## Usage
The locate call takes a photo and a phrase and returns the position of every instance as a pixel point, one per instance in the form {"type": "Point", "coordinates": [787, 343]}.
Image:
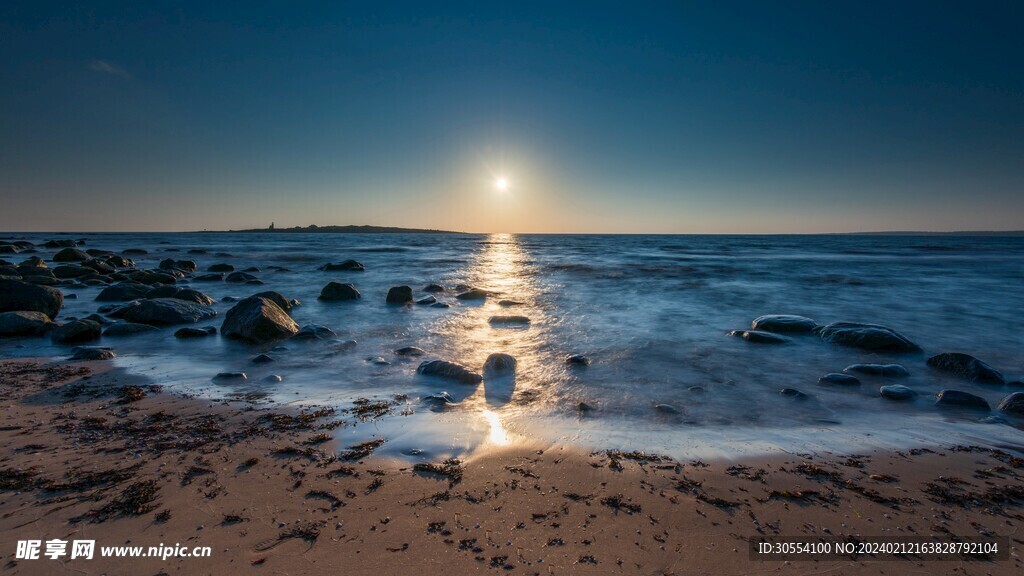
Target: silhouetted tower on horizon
{"type": "Point", "coordinates": [271, 226]}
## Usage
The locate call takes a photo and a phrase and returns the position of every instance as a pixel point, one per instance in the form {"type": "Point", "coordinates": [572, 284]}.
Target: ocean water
{"type": "Point", "coordinates": [651, 312]}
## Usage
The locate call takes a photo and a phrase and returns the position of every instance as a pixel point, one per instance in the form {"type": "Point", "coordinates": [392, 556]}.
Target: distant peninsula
{"type": "Point", "coordinates": [314, 229]}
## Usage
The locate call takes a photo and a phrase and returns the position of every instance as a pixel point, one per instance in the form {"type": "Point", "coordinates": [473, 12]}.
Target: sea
{"type": "Point", "coordinates": [652, 314]}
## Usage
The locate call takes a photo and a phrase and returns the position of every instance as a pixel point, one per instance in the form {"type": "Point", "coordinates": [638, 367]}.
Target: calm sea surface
{"type": "Point", "coordinates": [651, 312]}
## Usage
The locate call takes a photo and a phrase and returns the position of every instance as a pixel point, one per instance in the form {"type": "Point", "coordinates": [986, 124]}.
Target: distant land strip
{"type": "Point", "coordinates": [313, 228]}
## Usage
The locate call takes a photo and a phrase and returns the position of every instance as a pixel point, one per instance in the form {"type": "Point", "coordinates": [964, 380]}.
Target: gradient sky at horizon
{"type": "Point", "coordinates": [718, 117]}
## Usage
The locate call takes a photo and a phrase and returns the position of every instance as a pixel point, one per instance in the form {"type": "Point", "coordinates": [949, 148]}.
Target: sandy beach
{"type": "Point", "coordinates": [94, 453]}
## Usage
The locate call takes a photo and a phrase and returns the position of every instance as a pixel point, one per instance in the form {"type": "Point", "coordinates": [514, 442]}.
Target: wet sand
{"type": "Point", "coordinates": [90, 452]}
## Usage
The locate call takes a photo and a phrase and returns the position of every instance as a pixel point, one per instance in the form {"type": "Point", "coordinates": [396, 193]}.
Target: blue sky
{"type": "Point", "coordinates": [630, 117]}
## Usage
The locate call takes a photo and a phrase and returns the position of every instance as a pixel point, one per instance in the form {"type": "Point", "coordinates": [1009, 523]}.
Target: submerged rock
{"type": "Point", "coordinates": [966, 366]}
{"type": "Point", "coordinates": [759, 337]}
{"type": "Point", "coordinates": [24, 324]}
{"type": "Point", "coordinates": [473, 294]}
{"type": "Point", "coordinates": [439, 401]}
{"type": "Point", "coordinates": [123, 292]}
{"type": "Point", "coordinates": [18, 296]}
{"type": "Point", "coordinates": [410, 351]}
{"type": "Point", "coordinates": [1012, 404]}
{"type": "Point", "coordinates": [399, 295]}
{"type": "Point", "coordinates": [163, 312]}
{"type": "Point", "coordinates": [449, 371]}
{"type": "Point", "coordinates": [840, 379]}
{"type": "Point", "coordinates": [337, 292]}
{"type": "Point", "coordinates": [273, 378]}
{"type": "Point", "coordinates": [231, 376]}
{"type": "Point", "coordinates": [257, 320]}
{"type": "Point", "coordinates": [961, 399]}
{"type": "Point", "coordinates": [499, 363]}
{"type": "Point", "coordinates": [433, 288]}
{"type": "Point", "coordinates": [509, 303]}
{"type": "Point", "coordinates": [76, 331]}
{"type": "Point", "coordinates": [440, 305]}
{"type": "Point", "coordinates": [90, 353]}
{"type": "Point", "coordinates": [508, 320]}
{"type": "Point", "coordinates": [793, 393]}
{"type": "Point", "coordinates": [209, 278]}
{"type": "Point", "coordinates": [577, 360]}
{"type": "Point", "coordinates": [128, 329]}
{"type": "Point", "coordinates": [346, 266]}
{"type": "Point", "coordinates": [221, 268]}
{"type": "Point", "coordinates": [883, 370]}
{"type": "Point", "coordinates": [195, 332]}
{"type": "Point", "coordinates": [867, 336]}
{"type": "Point", "coordinates": [783, 323]}
{"type": "Point", "coordinates": [897, 392]}
{"type": "Point", "coordinates": [314, 332]}
{"type": "Point", "coordinates": [426, 300]}
{"type": "Point", "coordinates": [667, 409]}
{"type": "Point", "coordinates": [262, 359]}
{"type": "Point", "coordinates": [240, 278]}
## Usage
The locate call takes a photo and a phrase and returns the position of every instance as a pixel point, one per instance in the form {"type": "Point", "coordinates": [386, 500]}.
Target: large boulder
{"type": "Point", "coordinates": [336, 292]}
{"type": "Point", "coordinates": [1012, 404]}
{"type": "Point", "coordinates": [18, 296]}
{"type": "Point", "coordinates": [399, 295]}
{"type": "Point", "coordinates": [966, 366]}
{"type": "Point", "coordinates": [73, 271]}
{"type": "Point", "coordinates": [449, 371]}
{"type": "Point", "coordinates": [163, 312]}
{"type": "Point", "coordinates": [314, 332]}
{"type": "Point", "coordinates": [153, 277]}
{"type": "Point", "coordinates": [783, 323]}
{"type": "Point", "coordinates": [279, 299]}
{"type": "Point", "coordinates": [499, 363]}
{"type": "Point", "coordinates": [961, 399]}
{"type": "Point", "coordinates": [76, 331]}
{"type": "Point", "coordinates": [867, 336]}
{"type": "Point", "coordinates": [24, 324]}
{"type": "Point", "coordinates": [258, 320]}
{"type": "Point", "coordinates": [70, 255]}
{"type": "Point", "coordinates": [346, 266]}
{"type": "Point", "coordinates": [897, 392]}
{"type": "Point", "coordinates": [123, 292]}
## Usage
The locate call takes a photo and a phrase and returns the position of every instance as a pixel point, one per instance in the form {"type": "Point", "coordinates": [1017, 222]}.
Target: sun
{"type": "Point", "coordinates": [501, 184]}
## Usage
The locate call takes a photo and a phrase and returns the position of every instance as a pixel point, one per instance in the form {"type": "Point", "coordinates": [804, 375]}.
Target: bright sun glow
{"type": "Point", "coordinates": [501, 184]}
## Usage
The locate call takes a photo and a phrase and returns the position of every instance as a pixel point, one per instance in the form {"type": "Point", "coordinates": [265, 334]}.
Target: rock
{"type": "Point", "coordinates": [378, 360]}
{"type": "Point", "coordinates": [433, 288]}
{"type": "Point", "coordinates": [195, 332]}
{"type": "Point", "coordinates": [257, 320]}
{"type": "Point", "coordinates": [150, 277]}
{"type": "Point", "coordinates": [59, 244]}
{"type": "Point", "coordinates": [783, 323]}
{"type": "Point", "coordinates": [128, 329]}
{"type": "Point", "coordinates": [314, 332]}
{"type": "Point", "coordinates": [100, 266]}
{"type": "Point", "coordinates": [346, 266]}
{"type": "Point", "coordinates": [239, 278]}
{"type": "Point", "coordinates": [279, 299]}
{"type": "Point", "coordinates": [273, 378]}
{"type": "Point", "coordinates": [966, 366]}
{"type": "Point", "coordinates": [119, 261]}
{"type": "Point", "coordinates": [163, 312]}
{"type": "Point", "coordinates": [18, 296]}
{"type": "Point", "coordinates": [793, 393]}
{"type": "Point", "coordinates": [135, 252]}
{"type": "Point", "coordinates": [577, 360]}
{"type": "Point", "coordinates": [473, 294]}
{"type": "Point", "coordinates": [76, 331]}
{"type": "Point", "coordinates": [342, 345]}
{"type": "Point", "coordinates": [499, 363]}
{"type": "Point", "coordinates": [209, 278]}
{"type": "Point", "coordinates": [1012, 404]}
{"type": "Point", "coordinates": [426, 300]}
{"type": "Point", "coordinates": [8, 249]}
{"type": "Point", "coordinates": [183, 265]}
{"type": "Point", "coordinates": [92, 353]}
{"type": "Point", "coordinates": [410, 351]}
{"type": "Point", "coordinates": [666, 409]}
{"type": "Point", "coordinates": [262, 359]}
{"type": "Point", "coordinates": [508, 303]}
{"type": "Point", "coordinates": [840, 379]}
{"type": "Point", "coordinates": [70, 255]}
{"type": "Point", "coordinates": [961, 399]}
{"type": "Point", "coordinates": [584, 407]}
{"type": "Point", "coordinates": [440, 305]}
{"type": "Point", "coordinates": [449, 371]}
{"type": "Point", "coordinates": [438, 402]}
{"type": "Point", "coordinates": [897, 392]}
{"type": "Point", "coordinates": [508, 320]}
{"type": "Point", "coordinates": [883, 370]}
{"type": "Point", "coordinates": [23, 323]}
{"type": "Point", "coordinates": [221, 268]}
{"type": "Point", "coordinates": [759, 337]}
{"type": "Point", "coordinates": [230, 376]}
{"type": "Point", "coordinates": [71, 271]}
{"type": "Point", "coordinates": [337, 292]}
{"type": "Point", "coordinates": [399, 295]}
{"type": "Point", "coordinates": [867, 336]}
{"type": "Point", "coordinates": [186, 294]}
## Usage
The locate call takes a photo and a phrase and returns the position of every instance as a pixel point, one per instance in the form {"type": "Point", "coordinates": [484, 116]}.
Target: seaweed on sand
{"type": "Point", "coordinates": [361, 450]}
{"type": "Point", "coordinates": [450, 469]}
{"type": "Point", "coordinates": [137, 499]}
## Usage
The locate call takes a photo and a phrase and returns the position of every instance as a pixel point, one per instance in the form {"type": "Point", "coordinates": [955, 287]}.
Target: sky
{"type": "Point", "coordinates": [629, 117]}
